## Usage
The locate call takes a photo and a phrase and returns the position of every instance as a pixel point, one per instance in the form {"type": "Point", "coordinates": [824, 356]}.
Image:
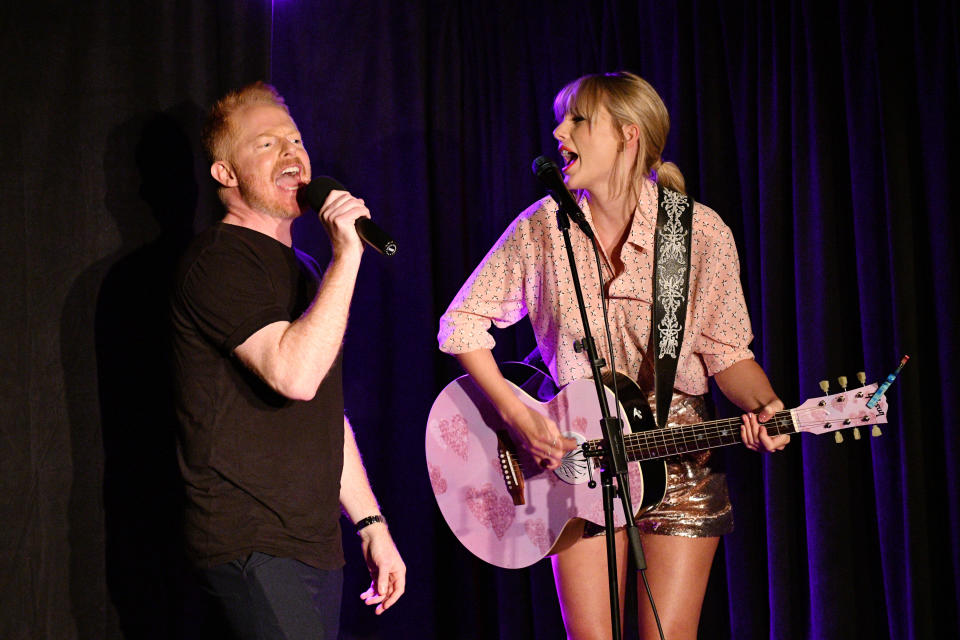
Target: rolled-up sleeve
{"type": "Point", "coordinates": [725, 332]}
{"type": "Point", "coordinates": [493, 294]}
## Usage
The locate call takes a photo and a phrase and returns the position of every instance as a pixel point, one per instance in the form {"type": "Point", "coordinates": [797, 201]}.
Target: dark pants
{"type": "Point", "coordinates": [268, 598]}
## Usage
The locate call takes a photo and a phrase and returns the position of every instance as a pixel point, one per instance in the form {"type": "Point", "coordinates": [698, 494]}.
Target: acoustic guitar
{"type": "Point", "coordinates": [511, 513]}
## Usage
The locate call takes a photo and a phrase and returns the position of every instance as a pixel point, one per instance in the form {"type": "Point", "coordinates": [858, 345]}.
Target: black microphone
{"type": "Point", "coordinates": [315, 194]}
{"type": "Point", "coordinates": [549, 174]}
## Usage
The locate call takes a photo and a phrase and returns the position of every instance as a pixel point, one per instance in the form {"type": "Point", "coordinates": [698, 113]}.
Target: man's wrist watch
{"type": "Point", "coordinates": [366, 522]}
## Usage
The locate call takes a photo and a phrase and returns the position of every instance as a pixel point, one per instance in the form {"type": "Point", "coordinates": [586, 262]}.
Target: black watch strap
{"type": "Point", "coordinates": [366, 522]}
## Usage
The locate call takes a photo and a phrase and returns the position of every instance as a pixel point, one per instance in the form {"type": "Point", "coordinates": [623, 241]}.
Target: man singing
{"type": "Point", "coordinates": [266, 453]}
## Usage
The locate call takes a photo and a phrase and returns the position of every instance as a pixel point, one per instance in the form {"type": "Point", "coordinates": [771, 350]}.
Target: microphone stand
{"type": "Point", "coordinates": [615, 462]}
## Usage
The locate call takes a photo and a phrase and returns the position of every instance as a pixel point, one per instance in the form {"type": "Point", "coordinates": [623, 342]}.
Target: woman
{"type": "Point", "coordinates": [611, 133]}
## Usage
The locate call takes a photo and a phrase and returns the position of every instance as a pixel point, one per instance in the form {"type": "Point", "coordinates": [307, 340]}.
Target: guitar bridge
{"type": "Point", "coordinates": [510, 467]}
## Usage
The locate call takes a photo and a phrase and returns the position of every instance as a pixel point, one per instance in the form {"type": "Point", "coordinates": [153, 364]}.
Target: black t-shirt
{"type": "Point", "coordinates": [262, 472]}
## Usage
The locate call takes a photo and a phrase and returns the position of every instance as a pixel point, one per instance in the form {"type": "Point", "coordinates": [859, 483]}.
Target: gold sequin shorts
{"type": "Point", "coordinates": [696, 503]}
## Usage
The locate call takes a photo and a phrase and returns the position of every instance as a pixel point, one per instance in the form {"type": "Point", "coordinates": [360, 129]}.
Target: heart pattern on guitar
{"type": "Point", "coordinates": [437, 481]}
{"type": "Point", "coordinates": [536, 530]}
{"type": "Point", "coordinates": [491, 510]}
{"type": "Point", "coordinates": [455, 434]}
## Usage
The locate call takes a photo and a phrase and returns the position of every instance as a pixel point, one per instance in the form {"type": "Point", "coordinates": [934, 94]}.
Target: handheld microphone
{"type": "Point", "coordinates": [315, 194]}
{"type": "Point", "coordinates": [549, 174]}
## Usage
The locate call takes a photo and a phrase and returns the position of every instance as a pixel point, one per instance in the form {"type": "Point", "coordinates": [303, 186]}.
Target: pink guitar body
{"type": "Point", "coordinates": [468, 478]}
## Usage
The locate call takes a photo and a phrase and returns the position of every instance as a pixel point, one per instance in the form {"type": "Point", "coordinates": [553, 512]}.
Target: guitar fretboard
{"type": "Point", "coordinates": [660, 443]}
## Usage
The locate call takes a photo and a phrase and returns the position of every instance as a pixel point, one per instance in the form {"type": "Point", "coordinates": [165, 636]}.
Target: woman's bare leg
{"type": "Point", "coordinates": [677, 569]}
{"type": "Point", "coordinates": [580, 573]}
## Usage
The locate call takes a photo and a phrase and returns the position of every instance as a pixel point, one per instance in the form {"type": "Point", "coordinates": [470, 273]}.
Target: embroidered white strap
{"type": "Point", "coordinates": [671, 272]}
{"type": "Point", "coordinates": [671, 287]}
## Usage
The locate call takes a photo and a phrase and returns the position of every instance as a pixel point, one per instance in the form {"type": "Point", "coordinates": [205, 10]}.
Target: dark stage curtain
{"type": "Point", "coordinates": [823, 133]}
{"type": "Point", "coordinates": [103, 181]}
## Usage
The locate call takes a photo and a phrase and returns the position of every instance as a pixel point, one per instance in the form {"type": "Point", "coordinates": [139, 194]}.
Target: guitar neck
{"type": "Point", "coordinates": [660, 443]}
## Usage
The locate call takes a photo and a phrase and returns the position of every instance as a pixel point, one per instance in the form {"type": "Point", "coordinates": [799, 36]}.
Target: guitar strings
{"type": "Point", "coordinates": [706, 435]}
{"type": "Point", "coordinates": [688, 438]}
{"type": "Point", "coordinates": [780, 420]}
{"type": "Point", "coordinates": [657, 443]}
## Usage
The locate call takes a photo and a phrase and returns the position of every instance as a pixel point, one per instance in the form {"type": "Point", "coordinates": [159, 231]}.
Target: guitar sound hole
{"type": "Point", "coordinates": [574, 467]}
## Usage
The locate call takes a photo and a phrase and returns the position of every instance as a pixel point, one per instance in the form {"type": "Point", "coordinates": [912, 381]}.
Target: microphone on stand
{"type": "Point", "coordinates": [549, 174]}
{"type": "Point", "coordinates": [315, 194]}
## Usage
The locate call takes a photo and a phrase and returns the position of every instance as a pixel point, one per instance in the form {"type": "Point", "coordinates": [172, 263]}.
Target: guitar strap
{"type": "Point", "coordinates": [671, 286]}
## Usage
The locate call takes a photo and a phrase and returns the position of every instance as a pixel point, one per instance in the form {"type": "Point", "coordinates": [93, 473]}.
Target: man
{"type": "Point", "coordinates": [266, 452]}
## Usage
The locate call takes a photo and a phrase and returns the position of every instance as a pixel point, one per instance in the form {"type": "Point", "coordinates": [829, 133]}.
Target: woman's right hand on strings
{"type": "Point", "coordinates": [538, 434]}
{"type": "Point", "coordinates": [532, 430]}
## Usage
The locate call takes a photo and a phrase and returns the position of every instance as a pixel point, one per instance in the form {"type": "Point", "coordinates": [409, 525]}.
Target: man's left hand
{"type": "Point", "coordinates": [387, 570]}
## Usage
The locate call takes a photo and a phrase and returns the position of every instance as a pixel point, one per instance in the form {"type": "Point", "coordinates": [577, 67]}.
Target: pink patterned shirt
{"type": "Point", "coordinates": [526, 272]}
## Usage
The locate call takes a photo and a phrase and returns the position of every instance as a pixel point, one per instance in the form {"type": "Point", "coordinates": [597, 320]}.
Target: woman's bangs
{"type": "Point", "coordinates": [581, 98]}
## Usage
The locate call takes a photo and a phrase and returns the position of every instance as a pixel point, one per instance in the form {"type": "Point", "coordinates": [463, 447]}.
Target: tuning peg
{"type": "Point", "coordinates": [837, 437]}
{"type": "Point", "coordinates": [842, 381]}
{"type": "Point", "coordinates": [875, 431]}
{"type": "Point", "coordinates": [862, 379]}
{"type": "Point", "coordinates": [825, 386]}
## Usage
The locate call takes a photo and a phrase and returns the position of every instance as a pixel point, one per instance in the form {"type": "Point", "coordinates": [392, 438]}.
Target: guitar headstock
{"type": "Point", "coordinates": [844, 410]}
